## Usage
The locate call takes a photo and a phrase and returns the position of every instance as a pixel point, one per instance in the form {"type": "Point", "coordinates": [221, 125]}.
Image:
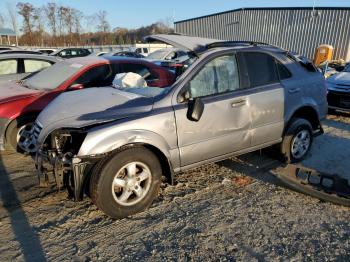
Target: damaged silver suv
{"type": "Point", "coordinates": [116, 144]}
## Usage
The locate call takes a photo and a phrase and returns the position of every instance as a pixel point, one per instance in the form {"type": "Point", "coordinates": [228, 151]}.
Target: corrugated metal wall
{"type": "Point", "coordinates": [300, 30]}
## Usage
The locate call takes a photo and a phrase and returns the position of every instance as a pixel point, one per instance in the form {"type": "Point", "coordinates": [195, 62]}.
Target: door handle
{"type": "Point", "coordinates": [293, 90]}
{"type": "Point", "coordinates": [238, 103]}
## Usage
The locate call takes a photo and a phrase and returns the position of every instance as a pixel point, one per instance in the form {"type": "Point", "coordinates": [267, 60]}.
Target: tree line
{"type": "Point", "coordinates": [58, 25]}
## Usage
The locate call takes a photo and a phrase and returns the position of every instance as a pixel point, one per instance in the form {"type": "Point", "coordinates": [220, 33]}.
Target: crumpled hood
{"type": "Point", "coordinates": [11, 91]}
{"type": "Point", "coordinates": [342, 78]}
{"type": "Point", "coordinates": [91, 106]}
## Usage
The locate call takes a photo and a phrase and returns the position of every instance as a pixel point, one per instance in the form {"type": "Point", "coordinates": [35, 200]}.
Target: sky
{"type": "Point", "coordinates": [136, 13]}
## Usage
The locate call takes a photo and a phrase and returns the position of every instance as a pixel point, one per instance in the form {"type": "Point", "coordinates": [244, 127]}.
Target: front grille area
{"type": "Point", "coordinates": [339, 99]}
{"type": "Point", "coordinates": [344, 86]}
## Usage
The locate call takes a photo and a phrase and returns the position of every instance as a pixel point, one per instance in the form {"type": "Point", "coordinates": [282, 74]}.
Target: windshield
{"type": "Point", "coordinates": [52, 77]}
{"type": "Point", "coordinates": [159, 54]}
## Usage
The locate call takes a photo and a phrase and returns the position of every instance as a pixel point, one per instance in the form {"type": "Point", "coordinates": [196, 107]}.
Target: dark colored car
{"type": "Point", "coordinates": [71, 52]}
{"type": "Point", "coordinates": [338, 87]}
{"type": "Point", "coordinates": [20, 103]}
{"type": "Point", "coordinates": [129, 54]}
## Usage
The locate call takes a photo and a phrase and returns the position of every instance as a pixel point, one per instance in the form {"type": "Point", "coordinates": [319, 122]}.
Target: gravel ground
{"type": "Point", "coordinates": [231, 210]}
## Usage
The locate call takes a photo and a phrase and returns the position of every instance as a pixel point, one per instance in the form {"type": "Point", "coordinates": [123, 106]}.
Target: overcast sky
{"type": "Point", "coordinates": [135, 13]}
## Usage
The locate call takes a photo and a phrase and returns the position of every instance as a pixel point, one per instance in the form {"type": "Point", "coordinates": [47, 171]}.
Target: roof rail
{"type": "Point", "coordinates": [239, 43]}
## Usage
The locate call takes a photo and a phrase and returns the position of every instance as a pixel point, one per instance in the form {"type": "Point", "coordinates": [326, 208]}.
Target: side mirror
{"type": "Point", "coordinates": [195, 109]}
{"type": "Point", "coordinates": [75, 87]}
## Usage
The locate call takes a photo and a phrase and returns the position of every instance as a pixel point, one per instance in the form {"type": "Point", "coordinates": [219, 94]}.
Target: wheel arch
{"type": "Point", "coordinates": [108, 145]}
{"type": "Point", "coordinates": [307, 112]}
{"type": "Point", "coordinates": [164, 161]}
{"type": "Point", "coordinates": [27, 115]}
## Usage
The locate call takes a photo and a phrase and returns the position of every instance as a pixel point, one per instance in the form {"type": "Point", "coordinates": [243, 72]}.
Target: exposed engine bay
{"type": "Point", "coordinates": [56, 158]}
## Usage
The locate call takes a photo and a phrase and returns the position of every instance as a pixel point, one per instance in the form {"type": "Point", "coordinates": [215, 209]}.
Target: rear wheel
{"type": "Point", "coordinates": [126, 183]}
{"type": "Point", "coordinates": [19, 135]}
{"type": "Point", "coordinates": [297, 140]}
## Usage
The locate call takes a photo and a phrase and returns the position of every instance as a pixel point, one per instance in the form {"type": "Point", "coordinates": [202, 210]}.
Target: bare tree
{"type": "Point", "coordinates": [70, 26]}
{"type": "Point", "coordinates": [51, 15]}
{"type": "Point", "coordinates": [60, 17]}
{"type": "Point", "coordinates": [26, 10]}
{"type": "Point", "coordinates": [39, 24]}
{"type": "Point", "coordinates": [90, 22]}
{"type": "Point", "coordinates": [103, 25]}
{"type": "Point", "coordinates": [77, 18]}
{"type": "Point", "coordinates": [13, 19]}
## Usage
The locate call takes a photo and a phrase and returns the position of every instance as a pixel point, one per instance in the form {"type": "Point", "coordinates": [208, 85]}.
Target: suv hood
{"type": "Point", "coordinates": [190, 43]}
{"type": "Point", "coordinates": [342, 78]}
{"type": "Point", "coordinates": [11, 91]}
{"type": "Point", "coordinates": [91, 106]}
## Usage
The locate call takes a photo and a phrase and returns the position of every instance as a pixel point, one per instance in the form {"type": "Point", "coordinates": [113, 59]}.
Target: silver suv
{"type": "Point", "coordinates": [235, 97]}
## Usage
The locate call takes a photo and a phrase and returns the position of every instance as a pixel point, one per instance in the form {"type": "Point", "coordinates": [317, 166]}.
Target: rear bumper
{"type": "Point", "coordinates": [4, 122]}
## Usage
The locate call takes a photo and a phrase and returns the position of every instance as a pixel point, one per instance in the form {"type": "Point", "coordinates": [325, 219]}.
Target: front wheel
{"type": "Point", "coordinates": [297, 140]}
{"type": "Point", "coordinates": [126, 183]}
{"type": "Point", "coordinates": [19, 135]}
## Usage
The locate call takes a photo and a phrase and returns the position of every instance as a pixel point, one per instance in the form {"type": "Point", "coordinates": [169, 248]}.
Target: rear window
{"type": "Point", "coordinates": [261, 69]}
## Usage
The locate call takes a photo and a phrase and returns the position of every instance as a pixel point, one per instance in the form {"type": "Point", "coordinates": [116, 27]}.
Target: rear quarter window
{"type": "Point", "coordinates": [261, 68]}
{"type": "Point", "coordinates": [283, 72]}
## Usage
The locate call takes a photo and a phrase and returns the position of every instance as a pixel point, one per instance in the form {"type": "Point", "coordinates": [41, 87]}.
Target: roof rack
{"type": "Point", "coordinates": [240, 43]}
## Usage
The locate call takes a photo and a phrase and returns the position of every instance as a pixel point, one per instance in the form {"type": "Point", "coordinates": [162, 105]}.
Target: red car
{"type": "Point", "coordinates": [20, 103]}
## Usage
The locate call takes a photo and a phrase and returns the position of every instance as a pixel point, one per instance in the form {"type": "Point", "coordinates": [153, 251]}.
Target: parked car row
{"type": "Point", "coordinates": [115, 141]}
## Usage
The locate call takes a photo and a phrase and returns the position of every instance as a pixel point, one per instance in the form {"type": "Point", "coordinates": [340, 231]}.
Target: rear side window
{"type": "Point", "coordinates": [35, 65]}
{"type": "Point", "coordinates": [283, 72]}
{"type": "Point", "coordinates": [64, 53]}
{"type": "Point", "coordinates": [8, 67]}
{"type": "Point", "coordinates": [261, 69]}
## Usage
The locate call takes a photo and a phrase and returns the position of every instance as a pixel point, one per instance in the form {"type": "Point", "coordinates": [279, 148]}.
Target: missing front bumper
{"type": "Point", "coordinates": [331, 188]}
{"type": "Point", "coordinates": [74, 177]}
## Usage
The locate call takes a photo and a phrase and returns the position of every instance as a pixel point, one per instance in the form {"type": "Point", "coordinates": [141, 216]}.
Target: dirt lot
{"type": "Point", "coordinates": [231, 210]}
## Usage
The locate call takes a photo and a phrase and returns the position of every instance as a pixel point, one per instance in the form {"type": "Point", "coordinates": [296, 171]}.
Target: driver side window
{"type": "Point", "coordinates": [96, 77]}
{"type": "Point", "coordinates": [218, 76]}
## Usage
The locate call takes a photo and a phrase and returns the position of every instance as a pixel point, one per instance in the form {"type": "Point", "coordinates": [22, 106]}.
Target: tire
{"type": "Point", "coordinates": [296, 130]}
{"type": "Point", "coordinates": [113, 198]}
{"type": "Point", "coordinates": [12, 133]}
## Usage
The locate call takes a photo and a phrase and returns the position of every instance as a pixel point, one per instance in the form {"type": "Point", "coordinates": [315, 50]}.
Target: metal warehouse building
{"type": "Point", "coordinates": [296, 29]}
